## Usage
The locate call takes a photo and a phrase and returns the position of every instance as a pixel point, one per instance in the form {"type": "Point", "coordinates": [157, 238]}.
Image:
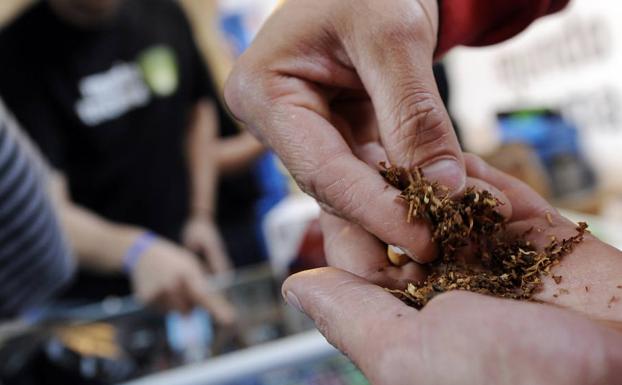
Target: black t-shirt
{"type": "Point", "coordinates": [110, 106]}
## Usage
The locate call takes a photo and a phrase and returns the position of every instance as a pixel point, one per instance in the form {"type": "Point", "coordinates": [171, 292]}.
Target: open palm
{"type": "Point", "coordinates": [466, 338]}
{"type": "Point", "coordinates": [591, 275]}
{"type": "Point", "coordinates": [458, 338]}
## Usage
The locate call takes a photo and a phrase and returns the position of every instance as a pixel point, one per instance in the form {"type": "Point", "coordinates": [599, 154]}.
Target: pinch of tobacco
{"type": "Point", "coordinates": [508, 266]}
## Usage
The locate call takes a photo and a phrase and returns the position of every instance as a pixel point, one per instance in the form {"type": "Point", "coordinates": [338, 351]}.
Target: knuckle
{"type": "Point", "coordinates": [233, 93]}
{"type": "Point", "coordinates": [342, 194]}
{"type": "Point", "coordinates": [394, 28]}
{"type": "Point", "coordinates": [397, 35]}
{"type": "Point", "coordinates": [403, 21]}
{"type": "Point", "coordinates": [420, 124]}
{"type": "Point", "coordinates": [252, 89]}
{"type": "Point", "coordinates": [239, 90]}
{"type": "Point", "coordinates": [314, 176]}
{"type": "Point", "coordinates": [416, 110]}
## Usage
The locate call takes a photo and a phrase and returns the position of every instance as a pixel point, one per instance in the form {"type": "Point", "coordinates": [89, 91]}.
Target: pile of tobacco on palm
{"type": "Point", "coordinates": [500, 264]}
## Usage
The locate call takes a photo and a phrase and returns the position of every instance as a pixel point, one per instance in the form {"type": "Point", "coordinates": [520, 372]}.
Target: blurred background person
{"type": "Point", "coordinates": [124, 110]}
{"type": "Point", "coordinates": [252, 181]}
{"type": "Point", "coordinates": [35, 261]}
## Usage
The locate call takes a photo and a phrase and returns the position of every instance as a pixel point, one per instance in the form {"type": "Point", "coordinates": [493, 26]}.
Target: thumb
{"type": "Point", "coordinates": [396, 69]}
{"type": "Point", "coordinates": [355, 316]}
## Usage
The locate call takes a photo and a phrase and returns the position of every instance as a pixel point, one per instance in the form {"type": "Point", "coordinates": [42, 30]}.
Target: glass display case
{"type": "Point", "coordinates": [118, 341]}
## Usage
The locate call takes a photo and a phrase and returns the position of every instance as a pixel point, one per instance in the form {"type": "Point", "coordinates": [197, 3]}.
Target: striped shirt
{"type": "Point", "coordinates": [34, 257]}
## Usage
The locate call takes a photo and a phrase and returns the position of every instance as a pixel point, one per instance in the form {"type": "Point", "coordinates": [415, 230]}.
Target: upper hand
{"type": "Point", "coordinates": [169, 277]}
{"type": "Point", "coordinates": [201, 236]}
{"type": "Point", "coordinates": [336, 86]}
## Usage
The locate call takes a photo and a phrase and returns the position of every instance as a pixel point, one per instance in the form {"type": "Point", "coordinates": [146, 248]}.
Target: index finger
{"type": "Point", "coordinates": [324, 166]}
{"type": "Point", "coordinates": [393, 57]}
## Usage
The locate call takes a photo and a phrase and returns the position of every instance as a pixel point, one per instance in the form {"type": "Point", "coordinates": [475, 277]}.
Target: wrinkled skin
{"type": "Point", "coordinates": [466, 338]}
{"type": "Point", "coordinates": [458, 338]}
{"type": "Point", "coordinates": [334, 87]}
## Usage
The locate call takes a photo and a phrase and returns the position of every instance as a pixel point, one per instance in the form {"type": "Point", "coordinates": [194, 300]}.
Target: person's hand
{"type": "Point", "coordinates": [201, 236]}
{"type": "Point", "coordinates": [458, 338]}
{"type": "Point", "coordinates": [466, 338]}
{"type": "Point", "coordinates": [336, 86]}
{"type": "Point", "coordinates": [591, 276]}
{"type": "Point", "coordinates": [170, 278]}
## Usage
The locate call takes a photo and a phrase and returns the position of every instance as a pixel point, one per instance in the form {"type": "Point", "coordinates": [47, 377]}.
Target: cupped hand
{"type": "Point", "coordinates": [458, 338]}
{"type": "Point", "coordinates": [591, 275]}
{"type": "Point", "coordinates": [336, 86]}
{"type": "Point", "coordinates": [170, 278]}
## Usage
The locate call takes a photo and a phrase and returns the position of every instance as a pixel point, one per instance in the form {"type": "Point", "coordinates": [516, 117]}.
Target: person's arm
{"type": "Point", "coordinates": [200, 233]}
{"type": "Point", "coordinates": [163, 274]}
{"type": "Point", "coordinates": [335, 87]}
{"type": "Point", "coordinates": [202, 150]}
{"type": "Point", "coordinates": [99, 245]}
{"type": "Point", "coordinates": [484, 22]}
{"type": "Point", "coordinates": [237, 152]}
{"type": "Point", "coordinates": [35, 260]}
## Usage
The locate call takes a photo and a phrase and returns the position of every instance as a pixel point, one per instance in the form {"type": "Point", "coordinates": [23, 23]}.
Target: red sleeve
{"type": "Point", "coordinates": [483, 22]}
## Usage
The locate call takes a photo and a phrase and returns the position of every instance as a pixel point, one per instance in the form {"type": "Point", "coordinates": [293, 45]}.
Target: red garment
{"type": "Point", "coordinates": [483, 22]}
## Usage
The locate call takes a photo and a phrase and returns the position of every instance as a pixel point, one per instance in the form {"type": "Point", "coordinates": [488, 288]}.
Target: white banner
{"type": "Point", "coordinates": [571, 61]}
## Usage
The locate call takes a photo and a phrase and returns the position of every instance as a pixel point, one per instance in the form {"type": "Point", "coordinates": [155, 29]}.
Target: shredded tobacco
{"type": "Point", "coordinates": [504, 265]}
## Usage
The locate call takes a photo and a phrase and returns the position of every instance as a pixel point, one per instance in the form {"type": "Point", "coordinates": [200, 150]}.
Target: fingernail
{"type": "Point", "coordinates": [292, 300]}
{"type": "Point", "coordinates": [398, 256]}
{"type": "Point", "coordinates": [412, 255]}
{"type": "Point", "coordinates": [402, 250]}
{"type": "Point", "coordinates": [447, 172]}
{"type": "Point", "coordinates": [397, 249]}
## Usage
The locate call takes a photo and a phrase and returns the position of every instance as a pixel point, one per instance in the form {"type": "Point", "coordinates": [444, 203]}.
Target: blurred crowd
{"type": "Point", "coordinates": [124, 175]}
{"type": "Point", "coordinates": [121, 171]}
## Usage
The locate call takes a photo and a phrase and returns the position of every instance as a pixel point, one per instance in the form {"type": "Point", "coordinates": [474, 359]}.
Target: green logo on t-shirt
{"type": "Point", "coordinates": [159, 67]}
